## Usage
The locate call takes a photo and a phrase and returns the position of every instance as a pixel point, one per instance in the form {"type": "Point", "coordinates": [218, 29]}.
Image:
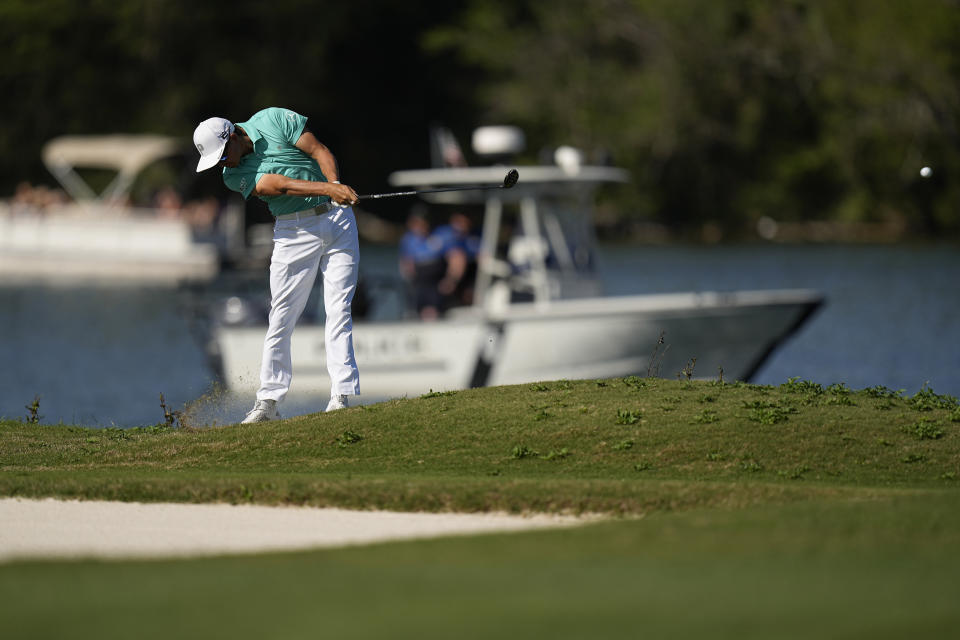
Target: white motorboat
{"type": "Point", "coordinates": [538, 313]}
{"type": "Point", "coordinates": [98, 237]}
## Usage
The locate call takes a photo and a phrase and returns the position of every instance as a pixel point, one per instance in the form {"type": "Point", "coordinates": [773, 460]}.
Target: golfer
{"type": "Point", "coordinates": [275, 157]}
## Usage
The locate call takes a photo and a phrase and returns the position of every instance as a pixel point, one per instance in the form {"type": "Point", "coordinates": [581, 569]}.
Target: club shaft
{"type": "Point", "coordinates": [395, 194]}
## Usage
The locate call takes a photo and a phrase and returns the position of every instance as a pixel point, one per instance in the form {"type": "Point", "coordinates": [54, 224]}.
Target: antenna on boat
{"type": "Point", "coordinates": [508, 181]}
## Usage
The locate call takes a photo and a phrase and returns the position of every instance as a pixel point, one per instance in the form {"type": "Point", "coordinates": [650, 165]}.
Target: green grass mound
{"type": "Point", "coordinates": [630, 445]}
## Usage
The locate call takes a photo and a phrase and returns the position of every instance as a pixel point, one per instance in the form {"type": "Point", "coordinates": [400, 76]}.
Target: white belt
{"type": "Point", "coordinates": [318, 210]}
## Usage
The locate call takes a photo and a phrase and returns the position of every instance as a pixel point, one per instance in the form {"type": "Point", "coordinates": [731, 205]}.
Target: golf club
{"type": "Point", "coordinates": [508, 181]}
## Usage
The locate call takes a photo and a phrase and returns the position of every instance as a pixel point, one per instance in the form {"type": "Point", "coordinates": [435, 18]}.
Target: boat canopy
{"type": "Point", "coordinates": [128, 155]}
{"type": "Point", "coordinates": [535, 181]}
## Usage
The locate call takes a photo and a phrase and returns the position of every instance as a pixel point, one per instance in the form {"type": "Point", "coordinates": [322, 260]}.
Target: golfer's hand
{"type": "Point", "coordinates": [342, 194]}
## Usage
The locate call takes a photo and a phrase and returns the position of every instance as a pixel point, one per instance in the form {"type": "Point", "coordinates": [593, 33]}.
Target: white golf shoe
{"type": "Point", "coordinates": [263, 410]}
{"type": "Point", "coordinates": [337, 402]}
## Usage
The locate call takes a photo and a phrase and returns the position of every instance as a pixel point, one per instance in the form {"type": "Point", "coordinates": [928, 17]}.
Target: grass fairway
{"type": "Point", "coordinates": [739, 511]}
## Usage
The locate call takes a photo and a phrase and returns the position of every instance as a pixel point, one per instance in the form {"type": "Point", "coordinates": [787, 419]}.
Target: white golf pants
{"type": "Point", "coordinates": [327, 242]}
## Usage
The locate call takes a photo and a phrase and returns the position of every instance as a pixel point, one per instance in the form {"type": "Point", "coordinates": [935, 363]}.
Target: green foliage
{"type": "Point", "coordinates": [136, 66]}
{"type": "Point", "coordinates": [437, 394]}
{"type": "Point", "coordinates": [766, 412]}
{"type": "Point", "coordinates": [925, 429]}
{"type": "Point", "coordinates": [794, 474]}
{"type": "Point", "coordinates": [628, 416]}
{"type": "Point", "coordinates": [839, 389]}
{"type": "Point", "coordinates": [347, 438]}
{"type": "Point", "coordinates": [115, 433]}
{"type": "Point", "coordinates": [728, 111]}
{"type": "Point", "coordinates": [723, 111]}
{"type": "Point", "coordinates": [839, 394]}
{"type": "Point", "coordinates": [635, 382]}
{"type": "Point", "coordinates": [881, 391]}
{"type": "Point", "coordinates": [706, 416]}
{"type": "Point", "coordinates": [522, 451]}
{"type": "Point", "coordinates": [927, 400]}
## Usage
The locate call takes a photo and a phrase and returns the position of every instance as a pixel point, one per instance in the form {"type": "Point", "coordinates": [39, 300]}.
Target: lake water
{"type": "Point", "coordinates": [102, 356]}
{"type": "Point", "coordinates": [892, 313]}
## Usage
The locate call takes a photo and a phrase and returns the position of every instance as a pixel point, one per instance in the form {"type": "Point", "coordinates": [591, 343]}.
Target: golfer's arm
{"type": "Point", "coordinates": [274, 184]}
{"type": "Point", "coordinates": [309, 144]}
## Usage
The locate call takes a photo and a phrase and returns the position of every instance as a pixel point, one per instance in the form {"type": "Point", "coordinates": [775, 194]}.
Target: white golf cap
{"type": "Point", "coordinates": [210, 137]}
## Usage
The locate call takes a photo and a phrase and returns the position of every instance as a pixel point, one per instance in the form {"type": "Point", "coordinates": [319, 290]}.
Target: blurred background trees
{"type": "Point", "coordinates": [725, 112]}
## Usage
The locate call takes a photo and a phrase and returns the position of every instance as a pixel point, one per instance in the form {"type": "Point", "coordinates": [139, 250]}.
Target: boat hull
{"type": "Point", "coordinates": [86, 245]}
{"type": "Point", "coordinates": [569, 339]}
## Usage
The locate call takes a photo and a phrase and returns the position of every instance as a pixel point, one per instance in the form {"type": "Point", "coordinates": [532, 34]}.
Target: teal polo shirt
{"type": "Point", "coordinates": [274, 133]}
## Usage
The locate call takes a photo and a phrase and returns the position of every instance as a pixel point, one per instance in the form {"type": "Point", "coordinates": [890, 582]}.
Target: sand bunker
{"type": "Point", "coordinates": [52, 528]}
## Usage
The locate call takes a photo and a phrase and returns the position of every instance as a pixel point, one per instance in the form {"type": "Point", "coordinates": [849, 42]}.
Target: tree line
{"type": "Point", "coordinates": [724, 112]}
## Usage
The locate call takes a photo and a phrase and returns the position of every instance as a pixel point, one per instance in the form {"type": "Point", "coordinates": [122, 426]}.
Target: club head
{"type": "Point", "coordinates": [511, 179]}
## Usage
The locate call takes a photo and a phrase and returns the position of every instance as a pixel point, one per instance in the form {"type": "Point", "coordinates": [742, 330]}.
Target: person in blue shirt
{"type": "Point", "coordinates": [422, 266]}
{"type": "Point", "coordinates": [275, 157]}
{"type": "Point", "coordinates": [459, 246]}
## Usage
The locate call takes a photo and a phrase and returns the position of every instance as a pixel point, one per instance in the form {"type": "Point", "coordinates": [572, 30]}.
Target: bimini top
{"type": "Point", "coordinates": [128, 155]}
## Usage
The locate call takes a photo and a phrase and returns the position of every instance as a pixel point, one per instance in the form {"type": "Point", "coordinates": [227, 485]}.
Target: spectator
{"type": "Point", "coordinates": [422, 266]}
{"type": "Point", "coordinates": [167, 203]}
{"type": "Point", "coordinates": [459, 247]}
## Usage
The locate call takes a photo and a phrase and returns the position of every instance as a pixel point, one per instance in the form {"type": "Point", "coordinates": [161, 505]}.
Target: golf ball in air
{"type": "Point", "coordinates": [926, 171]}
